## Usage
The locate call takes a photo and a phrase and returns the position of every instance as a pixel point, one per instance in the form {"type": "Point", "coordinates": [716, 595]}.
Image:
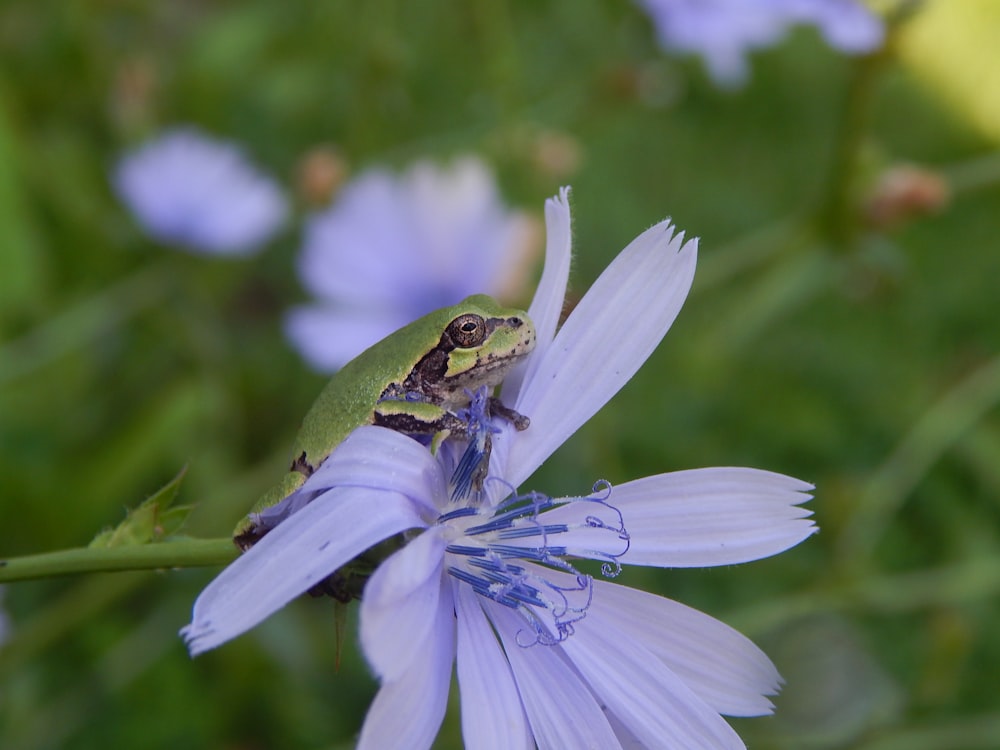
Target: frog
{"type": "Point", "coordinates": [413, 381]}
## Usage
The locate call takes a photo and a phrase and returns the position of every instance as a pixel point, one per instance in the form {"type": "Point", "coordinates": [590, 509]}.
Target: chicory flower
{"type": "Point", "coordinates": [545, 654]}
{"type": "Point", "coordinates": [200, 193]}
{"type": "Point", "coordinates": [724, 31]}
{"type": "Point", "coordinates": [392, 248]}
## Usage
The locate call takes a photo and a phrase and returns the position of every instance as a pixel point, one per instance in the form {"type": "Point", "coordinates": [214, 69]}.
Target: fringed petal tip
{"type": "Point", "coordinates": [293, 557]}
{"type": "Point", "coordinates": [198, 639]}
{"type": "Point", "coordinates": [565, 385]}
{"type": "Point", "coordinates": [677, 239]}
{"type": "Point", "coordinates": [562, 198]}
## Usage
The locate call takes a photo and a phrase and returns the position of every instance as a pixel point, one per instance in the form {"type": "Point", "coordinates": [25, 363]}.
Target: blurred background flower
{"type": "Point", "coordinates": [392, 248]}
{"type": "Point", "coordinates": [201, 193]}
{"type": "Point", "coordinates": [724, 32]}
{"type": "Point", "coordinates": [5, 626]}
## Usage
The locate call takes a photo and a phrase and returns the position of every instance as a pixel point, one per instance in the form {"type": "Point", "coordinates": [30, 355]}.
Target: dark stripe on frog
{"type": "Point", "coordinates": [302, 465]}
{"type": "Point", "coordinates": [414, 418]}
{"type": "Point", "coordinates": [433, 366]}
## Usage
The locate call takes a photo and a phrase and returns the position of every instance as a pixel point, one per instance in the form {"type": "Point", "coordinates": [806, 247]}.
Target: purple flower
{"type": "Point", "coordinates": [201, 193]}
{"type": "Point", "coordinates": [723, 31]}
{"type": "Point", "coordinates": [5, 625]}
{"type": "Point", "coordinates": [545, 655]}
{"type": "Point", "coordinates": [391, 249]}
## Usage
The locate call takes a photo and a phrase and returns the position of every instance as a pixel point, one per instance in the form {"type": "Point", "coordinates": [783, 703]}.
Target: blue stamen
{"type": "Point", "coordinates": [458, 549]}
{"type": "Point", "coordinates": [470, 467]}
{"type": "Point", "coordinates": [540, 554]}
{"type": "Point", "coordinates": [493, 565]}
{"type": "Point", "coordinates": [521, 506]}
{"type": "Point", "coordinates": [549, 609]}
{"type": "Point", "coordinates": [470, 473]}
{"type": "Point", "coordinates": [528, 531]}
{"type": "Point", "coordinates": [457, 513]}
{"type": "Point", "coordinates": [501, 590]}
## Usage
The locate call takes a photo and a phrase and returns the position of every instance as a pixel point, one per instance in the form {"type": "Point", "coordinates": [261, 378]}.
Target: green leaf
{"type": "Point", "coordinates": [153, 521]}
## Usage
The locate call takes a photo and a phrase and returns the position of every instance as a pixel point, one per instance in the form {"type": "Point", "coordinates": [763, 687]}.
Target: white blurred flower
{"type": "Point", "coordinates": [392, 248]}
{"type": "Point", "coordinates": [201, 193]}
{"type": "Point", "coordinates": [724, 31]}
{"type": "Point", "coordinates": [545, 655]}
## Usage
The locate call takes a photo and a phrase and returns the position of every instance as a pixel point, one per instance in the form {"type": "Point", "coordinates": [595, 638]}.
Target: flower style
{"type": "Point", "coordinates": [545, 655]}
{"type": "Point", "coordinates": [390, 249]}
{"type": "Point", "coordinates": [723, 31]}
{"type": "Point", "coordinates": [203, 194]}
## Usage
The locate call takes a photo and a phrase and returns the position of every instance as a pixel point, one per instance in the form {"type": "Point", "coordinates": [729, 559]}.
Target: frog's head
{"type": "Point", "coordinates": [480, 343]}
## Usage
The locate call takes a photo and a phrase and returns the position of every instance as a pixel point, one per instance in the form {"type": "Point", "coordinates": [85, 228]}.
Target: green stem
{"type": "Point", "coordinates": [839, 214]}
{"type": "Point", "coordinates": [183, 553]}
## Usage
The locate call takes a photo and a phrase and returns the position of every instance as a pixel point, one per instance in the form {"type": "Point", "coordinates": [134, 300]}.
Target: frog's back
{"type": "Point", "coordinates": [348, 401]}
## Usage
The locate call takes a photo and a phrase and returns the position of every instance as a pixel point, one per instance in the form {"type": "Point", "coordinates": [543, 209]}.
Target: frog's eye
{"type": "Point", "coordinates": [467, 330]}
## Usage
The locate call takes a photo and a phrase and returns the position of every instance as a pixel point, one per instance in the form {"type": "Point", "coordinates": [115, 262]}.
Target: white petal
{"type": "Point", "coordinates": [407, 712]}
{"type": "Point", "coordinates": [722, 666]}
{"type": "Point", "coordinates": [292, 558]}
{"type": "Point", "coordinates": [695, 518]}
{"type": "Point", "coordinates": [382, 459]}
{"type": "Point", "coordinates": [547, 305]}
{"type": "Point", "coordinates": [604, 341]}
{"type": "Point", "coordinates": [400, 599]}
{"type": "Point", "coordinates": [643, 694]}
{"type": "Point", "coordinates": [562, 710]}
{"type": "Point", "coordinates": [705, 517]}
{"type": "Point", "coordinates": [492, 715]}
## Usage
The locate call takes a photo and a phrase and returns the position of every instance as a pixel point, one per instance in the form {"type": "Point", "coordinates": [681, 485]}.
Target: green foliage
{"type": "Point", "coordinates": [152, 521]}
{"type": "Point", "coordinates": [817, 342]}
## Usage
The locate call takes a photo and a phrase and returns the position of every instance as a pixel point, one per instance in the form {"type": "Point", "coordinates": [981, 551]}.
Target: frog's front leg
{"type": "Point", "coordinates": [520, 421]}
{"type": "Point", "coordinates": [418, 418]}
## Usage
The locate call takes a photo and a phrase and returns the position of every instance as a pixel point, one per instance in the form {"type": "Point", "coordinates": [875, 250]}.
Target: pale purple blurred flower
{"type": "Point", "coordinates": [392, 248]}
{"type": "Point", "coordinates": [724, 31]}
{"type": "Point", "coordinates": [201, 193]}
{"type": "Point", "coordinates": [5, 626]}
{"type": "Point", "coordinates": [545, 655]}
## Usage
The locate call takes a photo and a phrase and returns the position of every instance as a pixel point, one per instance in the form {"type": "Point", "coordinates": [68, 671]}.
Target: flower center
{"type": "Point", "coordinates": [518, 558]}
{"type": "Point", "coordinates": [516, 551]}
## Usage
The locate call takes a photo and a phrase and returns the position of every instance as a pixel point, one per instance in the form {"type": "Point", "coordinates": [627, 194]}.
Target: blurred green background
{"type": "Point", "coordinates": [822, 340]}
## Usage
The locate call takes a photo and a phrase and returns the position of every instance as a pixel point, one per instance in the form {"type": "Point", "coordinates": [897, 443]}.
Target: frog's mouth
{"type": "Point", "coordinates": [489, 369]}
